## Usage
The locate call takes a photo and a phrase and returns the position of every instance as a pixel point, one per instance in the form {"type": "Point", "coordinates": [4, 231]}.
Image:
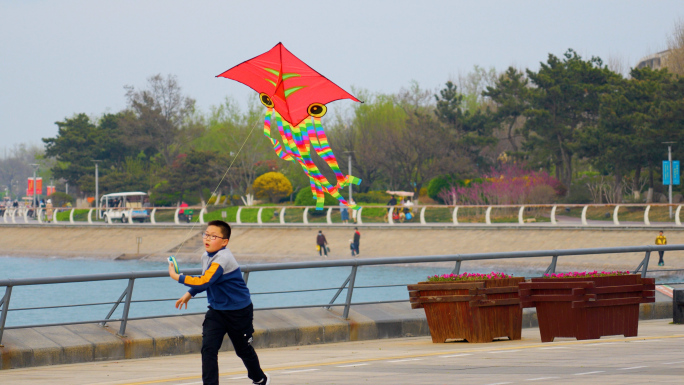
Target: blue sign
{"type": "Point", "coordinates": [675, 173]}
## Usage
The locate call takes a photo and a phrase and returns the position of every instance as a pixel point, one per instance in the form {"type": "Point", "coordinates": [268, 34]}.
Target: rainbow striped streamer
{"type": "Point", "coordinates": [296, 147]}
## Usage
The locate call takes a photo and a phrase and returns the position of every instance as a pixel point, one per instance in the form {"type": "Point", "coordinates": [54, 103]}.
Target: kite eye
{"type": "Point", "coordinates": [317, 110]}
{"type": "Point", "coordinates": [266, 100]}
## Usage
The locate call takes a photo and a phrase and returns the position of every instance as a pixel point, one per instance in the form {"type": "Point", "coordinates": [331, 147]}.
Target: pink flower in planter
{"type": "Point", "coordinates": [594, 273]}
{"type": "Point", "coordinates": [466, 277]}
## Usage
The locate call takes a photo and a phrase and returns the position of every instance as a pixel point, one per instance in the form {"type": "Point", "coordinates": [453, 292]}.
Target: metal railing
{"type": "Point", "coordinates": [520, 214]}
{"type": "Point", "coordinates": [348, 284]}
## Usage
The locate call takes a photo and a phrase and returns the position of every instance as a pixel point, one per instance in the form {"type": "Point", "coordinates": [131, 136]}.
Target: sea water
{"type": "Point", "coordinates": [267, 288]}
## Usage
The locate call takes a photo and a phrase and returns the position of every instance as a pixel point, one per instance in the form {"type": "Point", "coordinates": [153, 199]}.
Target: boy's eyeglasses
{"type": "Point", "coordinates": [211, 237]}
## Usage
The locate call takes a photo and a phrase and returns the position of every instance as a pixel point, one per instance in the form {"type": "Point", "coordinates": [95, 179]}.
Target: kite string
{"type": "Point", "coordinates": [187, 237]}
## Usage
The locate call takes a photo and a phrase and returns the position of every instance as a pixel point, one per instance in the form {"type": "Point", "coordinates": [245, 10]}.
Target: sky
{"type": "Point", "coordinates": [60, 58]}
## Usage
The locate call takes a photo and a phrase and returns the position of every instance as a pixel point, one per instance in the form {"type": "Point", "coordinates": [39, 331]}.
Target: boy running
{"type": "Point", "coordinates": [230, 305]}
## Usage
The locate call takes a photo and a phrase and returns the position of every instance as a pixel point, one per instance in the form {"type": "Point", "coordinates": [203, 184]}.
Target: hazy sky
{"type": "Point", "coordinates": [58, 58]}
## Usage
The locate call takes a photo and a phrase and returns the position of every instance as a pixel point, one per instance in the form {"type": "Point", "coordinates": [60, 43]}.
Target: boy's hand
{"type": "Point", "coordinates": [183, 300]}
{"type": "Point", "coordinates": [172, 272]}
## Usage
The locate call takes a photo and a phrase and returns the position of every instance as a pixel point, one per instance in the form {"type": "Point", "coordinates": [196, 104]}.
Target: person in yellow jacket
{"type": "Point", "coordinates": [661, 240]}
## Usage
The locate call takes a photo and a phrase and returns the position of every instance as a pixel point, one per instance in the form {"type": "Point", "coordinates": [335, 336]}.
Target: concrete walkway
{"type": "Point", "coordinates": [654, 357]}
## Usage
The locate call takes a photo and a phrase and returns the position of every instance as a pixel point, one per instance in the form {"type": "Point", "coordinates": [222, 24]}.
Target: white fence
{"type": "Point", "coordinates": [549, 213]}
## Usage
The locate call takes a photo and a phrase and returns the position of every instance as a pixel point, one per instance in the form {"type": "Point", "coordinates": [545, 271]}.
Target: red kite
{"type": "Point", "coordinates": [290, 84]}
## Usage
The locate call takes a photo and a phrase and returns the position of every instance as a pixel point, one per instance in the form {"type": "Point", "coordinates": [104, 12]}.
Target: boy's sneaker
{"type": "Point", "coordinates": [265, 381]}
{"type": "Point", "coordinates": [661, 263]}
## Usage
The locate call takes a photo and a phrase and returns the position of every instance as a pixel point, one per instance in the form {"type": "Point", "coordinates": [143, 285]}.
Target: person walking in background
{"type": "Point", "coordinates": [661, 240]}
{"type": "Point", "coordinates": [354, 211]}
{"type": "Point", "coordinates": [322, 243]}
{"type": "Point", "coordinates": [49, 210]}
{"type": "Point", "coordinates": [344, 213]}
{"type": "Point", "coordinates": [392, 202]}
{"type": "Point", "coordinates": [357, 240]}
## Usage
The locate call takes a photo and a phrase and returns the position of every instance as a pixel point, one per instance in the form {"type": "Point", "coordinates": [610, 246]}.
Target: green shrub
{"type": "Point", "coordinates": [436, 186]}
{"type": "Point", "coordinates": [306, 198]}
{"type": "Point", "coordinates": [371, 197]}
{"type": "Point", "coordinates": [60, 199]}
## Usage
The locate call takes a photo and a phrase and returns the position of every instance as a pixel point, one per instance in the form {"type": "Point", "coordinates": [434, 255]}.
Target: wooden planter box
{"type": "Point", "coordinates": [477, 311]}
{"type": "Point", "coordinates": [588, 307]}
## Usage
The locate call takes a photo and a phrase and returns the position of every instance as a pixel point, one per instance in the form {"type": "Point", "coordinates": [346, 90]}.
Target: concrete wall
{"type": "Point", "coordinates": [253, 244]}
{"type": "Point", "coordinates": [183, 335]}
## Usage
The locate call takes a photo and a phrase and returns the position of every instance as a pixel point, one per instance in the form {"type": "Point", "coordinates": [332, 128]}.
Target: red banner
{"type": "Point", "coordinates": [39, 187]}
{"type": "Point", "coordinates": [50, 190]}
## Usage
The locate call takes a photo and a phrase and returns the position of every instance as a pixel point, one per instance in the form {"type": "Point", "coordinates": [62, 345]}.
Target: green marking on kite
{"type": "Point", "coordinates": [271, 70]}
{"type": "Point", "coordinates": [290, 75]}
{"type": "Point", "coordinates": [290, 91]}
{"type": "Point", "coordinates": [271, 81]}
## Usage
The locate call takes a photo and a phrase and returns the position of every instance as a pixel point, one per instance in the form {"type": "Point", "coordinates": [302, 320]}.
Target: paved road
{"type": "Point", "coordinates": [655, 357]}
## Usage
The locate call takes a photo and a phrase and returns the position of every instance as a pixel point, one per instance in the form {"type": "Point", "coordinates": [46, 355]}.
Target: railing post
{"type": "Point", "coordinates": [201, 218]}
{"type": "Point", "coordinates": [584, 215]}
{"type": "Point", "coordinates": [245, 276]}
{"type": "Point", "coordinates": [305, 216]}
{"type": "Point", "coordinates": [152, 220]}
{"type": "Point", "coordinates": [616, 222]}
{"type": "Point", "coordinates": [127, 307]}
{"type": "Point", "coordinates": [644, 265]}
{"type": "Point", "coordinates": [552, 267]}
{"type": "Point", "coordinates": [553, 215]}
{"type": "Point", "coordinates": [350, 290]}
{"type": "Point", "coordinates": [259, 215]}
{"type": "Point", "coordinates": [90, 216]}
{"type": "Point", "coordinates": [54, 215]}
{"type": "Point", "coordinates": [5, 307]}
{"type": "Point", "coordinates": [328, 216]}
{"type": "Point", "coordinates": [334, 298]}
{"type": "Point", "coordinates": [358, 216]}
{"type": "Point", "coordinates": [282, 215]}
{"type": "Point", "coordinates": [389, 216]}
{"type": "Point", "coordinates": [25, 211]}
{"type": "Point", "coordinates": [454, 215]}
{"type": "Point", "coordinates": [457, 268]}
{"type": "Point", "coordinates": [116, 304]}
{"type": "Point", "coordinates": [646, 221]}
{"type": "Point", "coordinates": [677, 221]}
{"type": "Point", "coordinates": [520, 215]}
{"type": "Point", "coordinates": [4, 214]}
{"type": "Point", "coordinates": [175, 216]}
{"type": "Point", "coordinates": [39, 213]}
{"type": "Point", "coordinates": [422, 215]}
{"type": "Point", "coordinates": [238, 220]}
{"type": "Point", "coordinates": [71, 216]}
{"type": "Point", "coordinates": [488, 215]}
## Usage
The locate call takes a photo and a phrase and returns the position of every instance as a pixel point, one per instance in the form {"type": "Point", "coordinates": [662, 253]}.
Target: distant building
{"type": "Point", "coordinates": [655, 61]}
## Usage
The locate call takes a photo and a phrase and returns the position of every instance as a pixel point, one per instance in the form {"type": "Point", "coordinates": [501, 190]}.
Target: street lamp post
{"type": "Point", "coordinates": [35, 209]}
{"type": "Point", "coordinates": [97, 187]}
{"type": "Point", "coordinates": [349, 153]}
{"type": "Point", "coordinates": [669, 161]}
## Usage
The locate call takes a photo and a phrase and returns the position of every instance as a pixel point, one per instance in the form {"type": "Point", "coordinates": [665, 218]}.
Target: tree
{"type": "Point", "coordinates": [674, 59]}
{"type": "Point", "coordinates": [510, 94]}
{"type": "Point", "coordinates": [159, 119]}
{"type": "Point", "coordinates": [471, 130]}
{"type": "Point", "coordinates": [565, 100]}
{"type": "Point", "coordinates": [190, 176]}
{"type": "Point", "coordinates": [236, 136]}
{"type": "Point", "coordinates": [272, 185]}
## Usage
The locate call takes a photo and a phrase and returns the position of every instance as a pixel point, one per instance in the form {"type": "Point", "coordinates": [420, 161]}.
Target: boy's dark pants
{"type": "Point", "coordinates": [661, 253]}
{"type": "Point", "coordinates": [238, 325]}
